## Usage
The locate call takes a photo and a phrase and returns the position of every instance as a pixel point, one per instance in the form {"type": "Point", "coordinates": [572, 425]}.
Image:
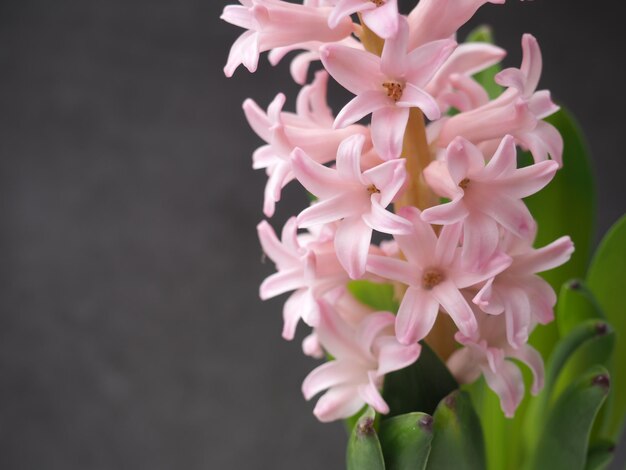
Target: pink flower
{"type": "Point", "coordinates": [381, 16]}
{"type": "Point", "coordinates": [387, 86]}
{"type": "Point", "coordinates": [488, 356]}
{"type": "Point", "coordinates": [485, 196]}
{"type": "Point", "coordinates": [524, 297]}
{"type": "Point", "coordinates": [453, 85]}
{"type": "Point", "coordinates": [274, 23]}
{"type": "Point", "coordinates": [434, 275]}
{"type": "Point", "coordinates": [306, 264]}
{"type": "Point", "coordinates": [518, 111]}
{"type": "Point", "coordinates": [439, 19]}
{"type": "Point", "coordinates": [356, 199]}
{"type": "Point", "coordinates": [363, 355]}
{"type": "Point", "coordinates": [310, 128]}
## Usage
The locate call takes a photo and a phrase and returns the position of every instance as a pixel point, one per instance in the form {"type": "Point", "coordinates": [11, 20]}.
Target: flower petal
{"type": "Point", "coordinates": [388, 126]}
{"type": "Point", "coordinates": [352, 243]}
{"type": "Point", "coordinates": [360, 106]}
{"type": "Point", "coordinates": [416, 315]}
{"type": "Point", "coordinates": [356, 70]}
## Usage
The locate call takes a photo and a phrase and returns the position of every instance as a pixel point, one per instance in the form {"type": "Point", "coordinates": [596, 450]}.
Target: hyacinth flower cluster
{"type": "Point", "coordinates": [422, 155]}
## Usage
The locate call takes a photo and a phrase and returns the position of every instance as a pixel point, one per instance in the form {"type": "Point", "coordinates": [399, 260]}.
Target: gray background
{"type": "Point", "coordinates": [131, 335]}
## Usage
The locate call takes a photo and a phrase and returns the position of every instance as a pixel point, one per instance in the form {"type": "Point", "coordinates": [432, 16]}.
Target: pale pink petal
{"type": "Point", "coordinates": [329, 375]}
{"type": "Point", "coordinates": [464, 366]}
{"type": "Point", "coordinates": [480, 239]}
{"type": "Point", "coordinates": [349, 159]}
{"type": "Point", "coordinates": [447, 244]}
{"type": "Point", "coordinates": [541, 104]}
{"type": "Point", "coordinates": [338, 403]}
{"type": "Point", "coordinates": [299, 67]}
{"type": "Point", "coordinates": [272, 247]}
{"type": "Point", "coordinates": [356, 70]}
{"type": "Point", "coordinates": [425, 61]}
{"type": "Point", "coordinates": [395, 356]}
{"type": "Point", "coordinates": [511, 78]}
{"type": "Point", "coordinates": [531, 357]}
{"type": "Point", "coordinates": [257, 119]}
{"type": "Point", "coordinates": [275, 183]}
{"type": "Point", "coordinates": [517, 313]}
{"type": "Point", "coordinates": [264, 157]}
{"type": "Point", "coordinates": [529, 180]}
{"type": "Point", "coordinates": [388, 177]}
{"type": "Point", "coordinates": [488, 299]}
{"type": "Point", "coordinates": [414, 97]}
{"type": "Point", "coordinates": [383, 20]}
{"type": "Point", "coordinates": [438, 178]}
{"type": "Point", "coordinates": [330, 210]}
{"type": "Point", "coordinates": [464, 159]}
{"type": "Point", "coordinates": [245, 50]}
{"type": "Point", "coordinates": [508, 385]}
{"type": "Point", "coordinates": [391, 268]}
{"type": "Point", "coordinates": [393, 58]}
{"type": "Point", "coordinates": [448, 295]}
{"type": "Point", "coordinates": [416, 315]}
{"type": "Point", "coordinates": [370, 395]}
{"type": "Point", "coordinates": [542, 299]}
{"type": "Point", "coordinates": [318, 179]}
{"type": "Point", "coordinates": [292, 312]}
{"type": "Point", "coordinates": [386, 222]}
{"type": "Point", "coordinates": [544, 140]}
{"type": "Point", "coordinates": [531, 62]}
{"type": "Point", "coordinates": [448, 213]}
{"type": "Point", "coordinates": [543, 259]}
{"type": "Point", "coordinates": [504, 161]}
{"type": "Point", "coordinates": [388, 126]}
{"type": "Point", "coordinates": [352, 242]}
{"type": "Point", "coordinates": [311, 347]}
{"type": "Point", "coordinates": [360, 106]}
{"type": "Point", "coordinates": [371, 327]}
{"type": "Point", "coordinates": [238, 15]}
{"type": "Point", "coordinates": [335, 334]}
{"type": "Point", "coordinates": [281, 282]}
{"type": "Point", "coordinates": [419, 248]}
{"type": "Point", "coordinates": [346, 8]}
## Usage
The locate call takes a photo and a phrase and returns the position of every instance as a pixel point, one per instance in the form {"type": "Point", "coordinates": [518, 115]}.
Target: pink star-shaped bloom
{"type": "Point", "coordinates": [485, 196]}
{"type": "Point", "coordinates": [274, 23]}
{"type": "Point", "coordinates": [381, 16]}
{"type": "Point", "coordinates": [518, 111]}
{"type": "Point", "coordinates": [439, 19]}
{"type": "Point", "coordinates": [435, 275]}
{"type": "Point", "coordinates": [362, 357]}
{"type": "Point", "coordinates": [387, 86]}
{"type": "Point", "coordinates": [524, 297]}
{"type": "Point", "coordinates": [357, 199]}
{"type": "Point", "coordinates": [488, 356]}
{"type": "Point", "coordinates": [306, 264]}
{"type": "Point", "coordinates": [310, 128]}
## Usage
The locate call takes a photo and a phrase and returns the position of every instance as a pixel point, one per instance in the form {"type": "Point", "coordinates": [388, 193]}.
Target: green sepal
{"type": "Point", "coordinates": [405, 441]}
{"type": "Point", "coordinates": [606, 280]}
{"type": "Point", "coordinates": [380, 297]}
{"type": "Point", "coordinates": [486, 77]}
{"type": "Point", "coordinates": [419, 387]}
{"type": "Point", "coordinates": [364, 451]}
{"type": "Point", "coordinates": [567, 206]}
{"type": "Point", "coordinates": [564, 438]}
{"type": "Point", "coordinates": [457, 436]}
{"type": "Point", "coordinates": [600, 455]}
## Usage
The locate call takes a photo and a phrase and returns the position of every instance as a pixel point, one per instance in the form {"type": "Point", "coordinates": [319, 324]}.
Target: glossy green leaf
{"type": "Point", "coordinates": [364, 451]}
{"type": "Point", "coordinates": [419, 387]}
{"type": "Point", "coordinates": [406, 440]}
{"type": "Point", "coordinates": [378, 296]}
{"type": "Point", "coordinates": [486, 77]}
{"type": "Point", "coordinates": [567, 206]}
{"type": "Point", "coordinates": [564, 438]}
{"type": "Point", "coordinates": [576, 304]}
{"type": "Point", "coordinates": [607, 281]}
{"type": "Point", "coordinates": [580, 335]}
{"type": "Point", "coordinates": [457, 436]}
{"type": "Point", "coordinates": [600, 455]}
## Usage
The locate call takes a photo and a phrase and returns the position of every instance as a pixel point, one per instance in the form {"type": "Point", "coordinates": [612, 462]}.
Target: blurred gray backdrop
{"type": "Point", "coordinates": [131, 334]}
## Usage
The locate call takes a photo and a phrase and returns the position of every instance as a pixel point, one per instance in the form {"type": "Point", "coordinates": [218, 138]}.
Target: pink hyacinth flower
{"type": "Point", "coordinates": [356, 199]}
{"type": "Point", "coordinates": [485, 196]}
{"type": "Point", "coordinates": [523, 297]}
{"type": "Point", "coordinates": [387, 86]}
{"type": "Point", "coordinates": [439, 19]}
{"type": "Point", "coordinates": [489, 356]}
{"type": "Point", "coordinates": [274, 23]}
{"type": "Point", "coordinates": [518, 111]}
{"type": "Point", "coordinates": [309, 128]}
{"type": "Point", "coordinates": [306, 264]}
{"type": "Point", "coordinates": [381, 16]}
{"type": "Point", "coordinates": [435, 275]}
{"type": "Point", "coordinates": [363, 355]}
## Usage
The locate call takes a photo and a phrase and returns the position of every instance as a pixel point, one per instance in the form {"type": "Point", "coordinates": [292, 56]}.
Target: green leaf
{"type": "Point", "coordinates": [486, 77]}
{"type": "Point", "coordinates": [419, 387]}
{"type": "Point", "coordinates": [378, 296]}
{"type": "Point", "coordinates": [600, 455]}
{"type": "Point", "coordinates": [576, 304]}
{"type": "Point", "coordinates": [564, 439]}
{"type": "Point", "coordinates": [580, 335]}
{"type": "Point", "coordinates": [567, 206]}
{"type": "Point", "coordinates": [405, 440]}
{"type": "Point", "coordinates": [364, 451]}
{"type": "Point", "coordinates": [458, 437]}
{"type": "Point", "coordinates": [606, 279]}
